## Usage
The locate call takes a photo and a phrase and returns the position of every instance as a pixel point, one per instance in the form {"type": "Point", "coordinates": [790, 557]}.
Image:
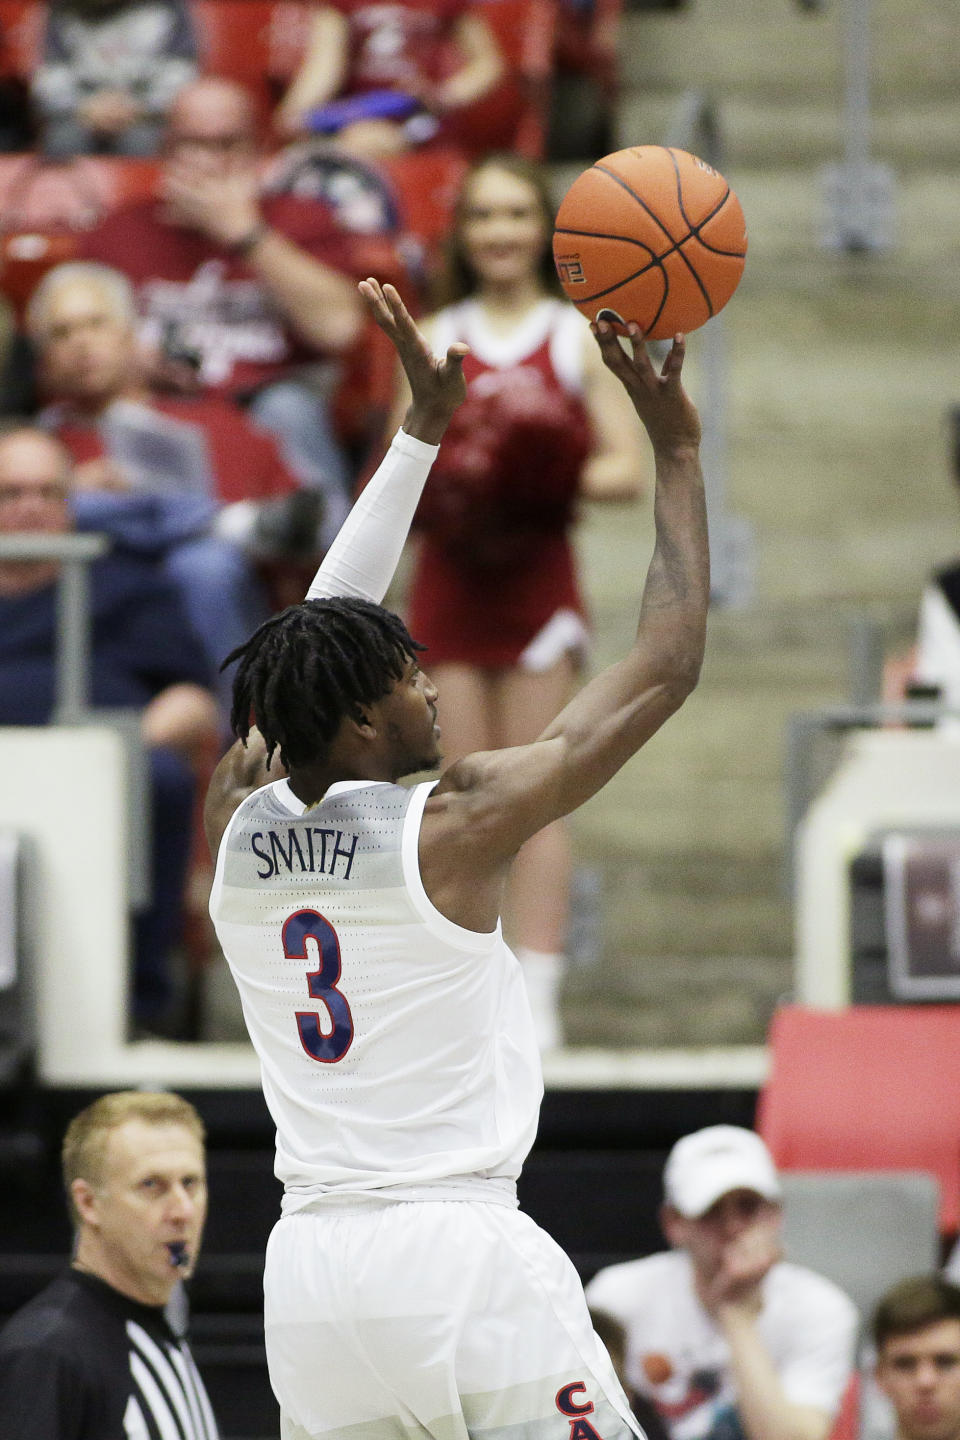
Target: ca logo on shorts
{"type": "Point", "coordinates": [580, 1427]}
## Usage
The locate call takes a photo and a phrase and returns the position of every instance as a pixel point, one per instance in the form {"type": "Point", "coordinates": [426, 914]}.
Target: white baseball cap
{"type": "Point", "coordinates": [709, 1163]}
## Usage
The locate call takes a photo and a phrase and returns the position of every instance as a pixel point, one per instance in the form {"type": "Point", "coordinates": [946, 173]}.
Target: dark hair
{"type": "Point", "coordinates": [458, 278]}
{"type": "Point", "coordinates": [913, 1305]}
{"type": "Point", "coordinates": [308, 668]}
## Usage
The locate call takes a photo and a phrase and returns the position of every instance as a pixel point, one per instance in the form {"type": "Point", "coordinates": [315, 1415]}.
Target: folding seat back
{"type": "Point", "coordinates": [873, 1087]}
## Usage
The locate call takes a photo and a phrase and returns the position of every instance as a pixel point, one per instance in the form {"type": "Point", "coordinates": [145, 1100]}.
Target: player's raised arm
{"type": "Point", "coordinates": [363, 557]}
{"type": "Point", "coordinates": [515, 792]}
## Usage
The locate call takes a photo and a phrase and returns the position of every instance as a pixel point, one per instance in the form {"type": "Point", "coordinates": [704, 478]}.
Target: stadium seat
{"type": "Point", "coordinates": [873, 1087]}
{"type": "Point", "coordinates": [21, 36]}
{"type": "Point", "coordinates": [864, 1229]}
{"type": "Point", "coordinates": [426, 184]}
{"type": "Point", "coordinates": [233, 39]}
{"type": "Point", "coordinates": [846, 1425]}
{"type": "Point", "coordinates": [45, 205]}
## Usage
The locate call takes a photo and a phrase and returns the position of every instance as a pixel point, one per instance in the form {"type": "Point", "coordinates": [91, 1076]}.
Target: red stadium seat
{"type": "Point", "coordinates": [874, 1087]}
{"type": "Point", "coordinates": [846, 1425]}
{"type": "Point", "coordinates": [22, 24]}
{"type": "Point", "coordinates": [426, 184]}
{"type": "Point", "coordinates": [45, 205]}
{"type": "Point", "coordinates": [233, 39]}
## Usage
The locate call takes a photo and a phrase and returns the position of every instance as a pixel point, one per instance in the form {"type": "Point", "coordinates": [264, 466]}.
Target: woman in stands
{"type": "Point", "coordinates": [384, 78]}
{"type": "Point", "coordinates": [494, 593]}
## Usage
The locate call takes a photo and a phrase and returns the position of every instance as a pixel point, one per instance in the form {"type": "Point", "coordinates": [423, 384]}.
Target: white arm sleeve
{"type": "Point", "coordinates": [363, 557]}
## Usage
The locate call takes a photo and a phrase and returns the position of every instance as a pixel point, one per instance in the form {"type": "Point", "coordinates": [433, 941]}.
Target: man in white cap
{"type": "Point", "coordinates": [725, 1339]}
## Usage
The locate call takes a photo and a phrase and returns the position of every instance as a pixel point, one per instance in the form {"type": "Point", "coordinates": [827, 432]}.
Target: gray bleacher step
{"type": "Point", "coordinates": [769, 48]}
{"type": "Point", "coordinates": [671, 1002]}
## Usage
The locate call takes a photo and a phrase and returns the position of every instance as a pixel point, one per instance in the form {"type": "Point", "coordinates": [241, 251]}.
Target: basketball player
{"type": "Point", "coordinates": [405, 1294]}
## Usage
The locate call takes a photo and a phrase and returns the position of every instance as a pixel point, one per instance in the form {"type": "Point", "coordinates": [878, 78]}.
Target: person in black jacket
{"type": "Point", "coordinates": [93, 1356]}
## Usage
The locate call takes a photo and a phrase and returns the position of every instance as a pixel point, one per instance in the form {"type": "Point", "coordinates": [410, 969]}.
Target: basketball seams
{"type": "Point", "coordinates": [693, 232]}
{"type": "Point", "coordinates": [695, 229]}
{"type": "Point", "coordinates": [657, 262]}
{"type": "Point", "coordinates": [602, 235]}
{"type": "Point", "coordinates": [628, 280]}
{"type": "Point", "coordinates": [624, 185]}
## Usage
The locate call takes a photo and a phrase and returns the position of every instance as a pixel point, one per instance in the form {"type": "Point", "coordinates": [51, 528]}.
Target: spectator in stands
{"type": "Point", "coordinates": [109, 72]}
{"type": "Point", "coordinates": [378, 75]}
{"type": "Point", "coordinates": [724, 1337]}
{"type": "Point", "coordinates": [916, 1330]}
{"type": "Point", "coordinates": [247, 294]}
{"type": "Point", "coordinates": [144, 656]}
{"type": "Point", "coordinates": [936, 663]}
{"type": "Point", "coordinates": [94, 1355]}
{"type": "Point", "coordinates": [175, 476]}
{"type": "Point", "coordinates": [930, 669]}
{"type": "Point", "coordinates": [494, 594]}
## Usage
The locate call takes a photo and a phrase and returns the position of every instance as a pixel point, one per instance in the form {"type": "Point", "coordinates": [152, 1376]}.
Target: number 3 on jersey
{"type": "Point", "coordinates": [307, 925]}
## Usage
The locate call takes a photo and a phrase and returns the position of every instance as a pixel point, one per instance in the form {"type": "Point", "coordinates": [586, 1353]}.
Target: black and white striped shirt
{"type": "Point", "coordinates": [82, 1362]}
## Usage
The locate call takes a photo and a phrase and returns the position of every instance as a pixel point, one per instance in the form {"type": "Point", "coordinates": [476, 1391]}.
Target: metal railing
{"type": "Point", "coordinates": [858, 191]}
{"type": "Point", "coordinates": [74, 553]}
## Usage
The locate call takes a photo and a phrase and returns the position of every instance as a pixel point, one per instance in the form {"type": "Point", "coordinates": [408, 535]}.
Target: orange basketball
{"type": "Point", "coordinates": [650, 234]}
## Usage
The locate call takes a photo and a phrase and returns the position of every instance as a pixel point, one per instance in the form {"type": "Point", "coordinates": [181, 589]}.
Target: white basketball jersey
{"type": "Point", "coordinates": [396, 1048]}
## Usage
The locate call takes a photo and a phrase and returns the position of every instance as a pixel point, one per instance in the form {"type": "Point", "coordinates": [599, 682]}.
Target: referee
{"type": "Point", "coordinates": [93, 1356]}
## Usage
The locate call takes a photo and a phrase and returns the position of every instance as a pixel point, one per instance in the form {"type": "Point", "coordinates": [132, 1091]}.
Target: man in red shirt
{"type": "Point", "coordinates": [256, 290]}
{"type": "Point", "coordinates": [183, 477]}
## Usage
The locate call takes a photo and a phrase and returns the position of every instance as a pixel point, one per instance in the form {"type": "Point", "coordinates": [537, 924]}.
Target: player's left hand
{"type": "Point", "coordinates": [437, 385]}
{"type": "Point", "coordinates": [668, 414]}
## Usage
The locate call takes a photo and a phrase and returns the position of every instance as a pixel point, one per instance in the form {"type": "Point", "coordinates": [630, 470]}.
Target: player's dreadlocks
{"type": "Point", "coordinates": [307, 668]}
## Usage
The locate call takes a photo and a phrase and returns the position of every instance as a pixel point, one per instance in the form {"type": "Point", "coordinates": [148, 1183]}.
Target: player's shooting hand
{"type": "Point", "coordinates": [668, 414]}
{"type": "Point", "coordinates": [436, 384]}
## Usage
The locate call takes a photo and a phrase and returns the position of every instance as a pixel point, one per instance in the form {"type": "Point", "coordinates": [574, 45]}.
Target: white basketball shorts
{"type": "Point", "coordinates": [451, 1320]}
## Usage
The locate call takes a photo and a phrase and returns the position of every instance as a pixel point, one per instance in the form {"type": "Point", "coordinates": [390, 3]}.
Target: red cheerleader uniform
{"type": "Point", "coordinates": [494, 583]}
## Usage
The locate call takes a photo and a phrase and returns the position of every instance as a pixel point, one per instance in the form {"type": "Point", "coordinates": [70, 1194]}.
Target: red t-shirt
{"type": "Point", "coordinates": [393, 44]}
{"type": "Point", "coordinates": [245, 461]}
{"type": "Point", "coordinates": [211, 300]}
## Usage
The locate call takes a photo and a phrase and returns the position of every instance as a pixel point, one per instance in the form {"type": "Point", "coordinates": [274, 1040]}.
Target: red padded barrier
{"type": "Point", "coordinates": [873, 1087]}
